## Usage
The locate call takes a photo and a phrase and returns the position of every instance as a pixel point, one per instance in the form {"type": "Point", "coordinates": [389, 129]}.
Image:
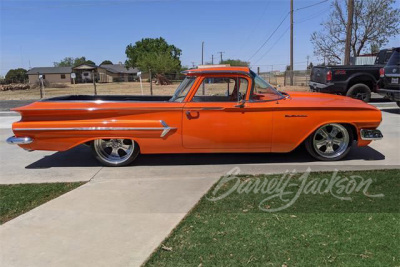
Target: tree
{"type": "Point", "coordinates": [235, 62]}
{"type": "Point", "coordinates": [310, 66]}
{"type": "Point", "coordinates": [374, 48]}
{"type": "Point", "coordinates": [106, 62]}
{"type": "Point", "coordinates": [16, 76]}
{"type": "Point", "coordinates": [73, 62]}
{"type": "Point", "coordinates": [155, 55]}
{"type": "Point", "coordinates": [374, 22]}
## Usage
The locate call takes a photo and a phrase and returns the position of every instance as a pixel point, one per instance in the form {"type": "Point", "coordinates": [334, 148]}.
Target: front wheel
{"type": "Point", "coordinates": [330, 142]}
{"type": "Point", "coordinates": [115, 152]}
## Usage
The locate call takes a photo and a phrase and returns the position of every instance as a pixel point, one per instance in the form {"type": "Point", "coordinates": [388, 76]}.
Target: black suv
{"type": "Point", "coordinates": [389, 85]}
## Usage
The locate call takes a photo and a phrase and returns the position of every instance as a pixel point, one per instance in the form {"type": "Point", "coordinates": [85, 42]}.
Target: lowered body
{"type": "Point", "coordinates": [214, 110]}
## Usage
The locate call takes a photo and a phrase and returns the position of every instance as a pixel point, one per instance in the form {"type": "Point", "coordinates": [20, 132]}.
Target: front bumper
{"type": "Point", "coordinates": [393, 95]}
{"type": "Point", "coordinates": [19, 140]}
{"type": "Point", "coordinates": [370, 135]}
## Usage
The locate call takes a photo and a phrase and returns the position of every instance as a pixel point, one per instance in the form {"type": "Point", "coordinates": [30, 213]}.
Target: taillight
{"type": "Point", "coordinates": [329, 76]}
{"type": "Point", "coordinates": [382, 72]}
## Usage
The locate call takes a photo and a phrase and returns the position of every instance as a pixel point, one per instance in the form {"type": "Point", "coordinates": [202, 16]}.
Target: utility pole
{"type": "Point", "coordinates": [202, 53]}
{"type": "Point", "coordinates": [349, 27]}
{"type": "Point", "coordinates": [212, 59]}
{"type": "Point", "coordinates": [151, 82]}
{"type": "Point", "coordinates": [193, 64]}
{"type": "Point", "coordinates": [94, 83]}
{"type": "Point", "coordinates": [291, 42]}
{"type": "Point", "coordinates": [220, 62]}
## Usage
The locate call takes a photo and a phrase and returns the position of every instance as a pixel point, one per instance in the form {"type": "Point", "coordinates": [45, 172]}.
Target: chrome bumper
{"type": "Point", "coordinates": [19, 140]}
{"type": "Point", "coordinates": [371, 134]}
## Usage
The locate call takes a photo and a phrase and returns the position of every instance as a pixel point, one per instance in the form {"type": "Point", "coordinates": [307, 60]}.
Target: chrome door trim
{"type": "Point", "coordinates": [165, 129]}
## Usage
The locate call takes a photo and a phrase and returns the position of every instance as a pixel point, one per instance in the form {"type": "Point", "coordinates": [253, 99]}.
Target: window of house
{"type": "Point", "coordinates": [62, 76]}
{"type": "Point", "coordinates": [221, 90]}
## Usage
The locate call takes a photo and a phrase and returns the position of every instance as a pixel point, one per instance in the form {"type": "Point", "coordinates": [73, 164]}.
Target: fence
{"type": "Point", "coordinates": [300, 78]}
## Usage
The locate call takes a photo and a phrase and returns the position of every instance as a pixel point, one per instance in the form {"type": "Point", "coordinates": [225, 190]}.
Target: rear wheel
{"type": "Point", "coordinates": [360, 91]}
{"type": "Point", "coordinates": [330, 142]}
{"type": "Point", "coordinates": [115, 152]}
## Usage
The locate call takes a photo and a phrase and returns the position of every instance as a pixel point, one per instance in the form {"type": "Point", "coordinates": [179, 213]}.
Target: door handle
{"type": "Point", "coordinates": [192, 114]}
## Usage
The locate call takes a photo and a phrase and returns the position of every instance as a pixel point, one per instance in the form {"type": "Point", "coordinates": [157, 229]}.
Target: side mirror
{"type": "Point", "coordinates": [240, 104]}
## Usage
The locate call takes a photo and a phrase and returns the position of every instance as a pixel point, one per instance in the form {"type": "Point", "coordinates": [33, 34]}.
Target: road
{"type": "Point", "coordinates": [122, 214]}
{"type": "Point", "coordinates": [78, 164]}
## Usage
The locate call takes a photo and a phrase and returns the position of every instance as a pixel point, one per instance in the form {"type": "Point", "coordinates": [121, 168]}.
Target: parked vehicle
{"type": "Point", "coordinates": [356, 81]}
{"type": "Point", "coordinates": [214, 110]}
{"type": "Point", "coordinates": [389, 85]}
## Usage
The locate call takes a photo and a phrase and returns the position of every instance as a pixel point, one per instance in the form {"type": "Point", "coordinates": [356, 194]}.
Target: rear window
{"type": "Point", "coordinates": [394, 59]}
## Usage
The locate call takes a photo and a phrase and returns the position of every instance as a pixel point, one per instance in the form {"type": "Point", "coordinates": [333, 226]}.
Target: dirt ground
{"type": "Point", "coordinates": [124, 88]}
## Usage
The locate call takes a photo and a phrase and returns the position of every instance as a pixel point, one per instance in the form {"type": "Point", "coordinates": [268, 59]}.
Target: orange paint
{"type": "Point", "coordinates": [194, 127]}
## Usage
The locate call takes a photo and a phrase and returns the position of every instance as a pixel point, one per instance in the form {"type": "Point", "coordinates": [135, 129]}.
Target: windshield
{"type": "Point", "coordinates": [263, 91]}
{"type": "Point", "coordinates": [183, 89]}
{"type": "Point", "coordinates": [394, 59]}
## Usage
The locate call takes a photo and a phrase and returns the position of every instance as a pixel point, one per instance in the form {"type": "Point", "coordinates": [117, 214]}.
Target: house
{"type": "Point", "coordinates": [84, 73]}
{"type": "Point", "coordinates": [50, 74]}
{"type": "Point", "coordinates": [116, 73]}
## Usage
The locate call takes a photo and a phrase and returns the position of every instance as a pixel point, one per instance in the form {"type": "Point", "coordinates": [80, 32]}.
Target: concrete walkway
{"type": "Point", "coordinates": [122, 214]}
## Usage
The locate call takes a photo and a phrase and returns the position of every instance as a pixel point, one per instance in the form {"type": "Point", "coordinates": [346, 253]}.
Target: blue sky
{"type": "Point", "coordinates": [37, 33]}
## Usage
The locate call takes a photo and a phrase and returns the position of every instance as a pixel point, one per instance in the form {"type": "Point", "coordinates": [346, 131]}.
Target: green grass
{"type": "Point", "coordinates": [317, 230]}
{"type": "Point", "coordinates": [20, 198]}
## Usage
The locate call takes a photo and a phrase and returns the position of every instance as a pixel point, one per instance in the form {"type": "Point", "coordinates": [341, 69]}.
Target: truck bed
{"type": "Point", "coordinates": [113, 98]}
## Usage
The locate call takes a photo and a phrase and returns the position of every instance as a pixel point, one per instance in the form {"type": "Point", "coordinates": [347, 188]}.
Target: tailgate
{"type": "Point", "coordinates": [318, 74]}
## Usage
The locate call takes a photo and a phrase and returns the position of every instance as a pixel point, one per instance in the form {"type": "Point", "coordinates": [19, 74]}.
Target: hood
{"type": "Point", "coordinates": [326, 101]}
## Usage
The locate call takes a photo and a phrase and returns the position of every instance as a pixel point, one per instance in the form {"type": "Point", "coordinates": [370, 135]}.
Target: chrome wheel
{"type": "Point", "coordinates": [331, 141]}
{"type": "Point", "coordinates": [114, 151]}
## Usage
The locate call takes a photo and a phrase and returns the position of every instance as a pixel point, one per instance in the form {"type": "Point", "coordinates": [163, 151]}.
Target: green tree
{"type": "Point", "coordinates": [16, 76]}
{"type": "Point", "coordinates": [73, 62]}
{"type": "Point", "coordinates": [236, 62]}
{"type": "Point", "coordinates": [155, 55]}
{"type": "Point", "coordinates": [106, 62]}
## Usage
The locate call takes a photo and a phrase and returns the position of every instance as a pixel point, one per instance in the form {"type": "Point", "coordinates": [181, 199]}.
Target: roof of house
{"type": "Point", "coordinates": [118, 68]}
{"type": "Point", "coordinates": [50, 70]}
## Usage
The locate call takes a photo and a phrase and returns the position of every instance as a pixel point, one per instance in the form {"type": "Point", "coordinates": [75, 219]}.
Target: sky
{"type": "Point", "coordinates": [38, 33]}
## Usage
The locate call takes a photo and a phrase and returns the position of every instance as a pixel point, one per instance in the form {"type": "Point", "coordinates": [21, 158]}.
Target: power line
{"type": "Point", "coordinates": [269, 36]}
{"type": "Point", "coordinates": [287, 29]}
{"type": "Point", "coordinates": [322, 12]}
{"type": "Point", "coordinates": [305, 7]}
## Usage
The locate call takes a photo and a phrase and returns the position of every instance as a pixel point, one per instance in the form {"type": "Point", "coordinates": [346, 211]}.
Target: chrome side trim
{"type": "Point", "coordinates": [370, 135]}
{"type": "Point", "coordinates": [19, 140]}
{"type": "Point", "coordinates": [165, 129]}
{"type": "Point", "coordinates": [392, 75]}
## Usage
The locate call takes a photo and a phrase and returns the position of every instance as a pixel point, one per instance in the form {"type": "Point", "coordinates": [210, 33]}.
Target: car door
{"type": "Point", "coordinates": [215, 119]}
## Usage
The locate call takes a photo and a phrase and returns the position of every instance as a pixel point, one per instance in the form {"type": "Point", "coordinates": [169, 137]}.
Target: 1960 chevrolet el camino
{"type": "Point", "coordinates": [214, 110]}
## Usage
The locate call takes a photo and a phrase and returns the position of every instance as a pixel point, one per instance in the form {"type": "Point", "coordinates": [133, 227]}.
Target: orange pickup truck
{"type": "Point", "coordinates": [214, 110]}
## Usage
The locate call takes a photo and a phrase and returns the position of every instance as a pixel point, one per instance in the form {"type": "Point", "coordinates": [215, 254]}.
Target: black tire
{"type": "Point", "coordinates": [101, 153]}
{"type": "Point", "coordinates": [309, 144]}
{"type": "Point", "coordinates": [360, 91]}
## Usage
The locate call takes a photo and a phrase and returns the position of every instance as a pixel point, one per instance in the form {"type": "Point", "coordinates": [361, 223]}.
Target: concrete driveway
{"type": "Point", "coordinates": [122, 214]}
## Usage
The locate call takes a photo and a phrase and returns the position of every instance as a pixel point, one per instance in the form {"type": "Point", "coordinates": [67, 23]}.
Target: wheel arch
{"type": "Point", "coordinates": [363, 78]}
{"type": "Point", "coordinates": [350, 125]}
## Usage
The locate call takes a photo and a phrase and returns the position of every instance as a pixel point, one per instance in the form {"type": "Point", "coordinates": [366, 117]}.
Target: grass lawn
{"type": "Point", "coordinates": [318, 229]}
{"type": "Point", "coordinates": [20, 198]}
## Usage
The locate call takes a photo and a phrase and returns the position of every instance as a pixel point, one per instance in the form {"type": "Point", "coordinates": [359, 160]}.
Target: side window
{"type": "Point", "coordinates": [62, 76]}
{"type": "Point", "coordinates": [215, 89]}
